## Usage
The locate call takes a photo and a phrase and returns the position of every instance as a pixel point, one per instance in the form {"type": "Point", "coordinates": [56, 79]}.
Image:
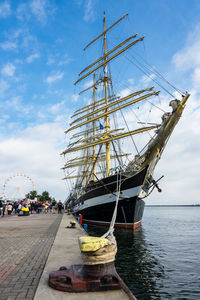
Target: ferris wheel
{"type": "Point", "coordinates": [17, 185]}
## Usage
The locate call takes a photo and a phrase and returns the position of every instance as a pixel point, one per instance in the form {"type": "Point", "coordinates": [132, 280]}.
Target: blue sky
{"type": "Point", "coordinates": [41, 54]}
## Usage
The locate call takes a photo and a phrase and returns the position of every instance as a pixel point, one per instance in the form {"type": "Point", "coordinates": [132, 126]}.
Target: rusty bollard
{"type": "Point", "coordinates": [98, 272]}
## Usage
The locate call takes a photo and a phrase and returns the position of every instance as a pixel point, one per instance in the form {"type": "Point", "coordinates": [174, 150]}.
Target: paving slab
{"type": "Point", "coordinates": [65, 252]}
{"type": "Point", "coordinates": [25, 243]}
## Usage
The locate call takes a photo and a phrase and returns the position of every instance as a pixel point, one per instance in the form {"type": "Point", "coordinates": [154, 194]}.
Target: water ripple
{"type": "Point", "coordinates": [161, 260]}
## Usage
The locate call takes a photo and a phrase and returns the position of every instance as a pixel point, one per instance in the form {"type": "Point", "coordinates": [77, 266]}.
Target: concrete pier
{"type": "Point", "coordinates": [65, 252]}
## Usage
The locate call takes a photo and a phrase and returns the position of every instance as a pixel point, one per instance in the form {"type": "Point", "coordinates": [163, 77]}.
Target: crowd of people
{"type": "Point", "coordinates": [30, 207]}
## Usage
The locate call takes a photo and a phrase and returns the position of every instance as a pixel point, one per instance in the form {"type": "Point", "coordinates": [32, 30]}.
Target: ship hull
{"type": "Point", "coordinates": [97, 204]}
{"type": "Point", "coordinates": [129, 216]}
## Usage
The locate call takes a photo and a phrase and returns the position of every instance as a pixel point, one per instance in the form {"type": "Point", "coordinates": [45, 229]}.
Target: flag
{"type": "Point", "coordinates": [101, 126]}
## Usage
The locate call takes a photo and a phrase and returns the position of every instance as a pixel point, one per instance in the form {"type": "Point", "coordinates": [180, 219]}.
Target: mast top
{"type": "Point", "coordinates": [105, 30]}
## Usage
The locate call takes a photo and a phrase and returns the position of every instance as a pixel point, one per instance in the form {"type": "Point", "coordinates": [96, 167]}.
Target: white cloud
{"type": "Point", "coordinates": [179, 164]}
{"type": "Point", "coordinates": [8, 70]}
{"type": "Point", "coordinates": [124, 92]}
{"type": "Point", "coordinates": [8, 45]}
{"type": "Point", "coordinates": [39, 9]}
{"type": "Point", "coordinates": [4, 86]}
{"type": "Point", "coordinates": [57, 61]}
{"type": "Point", "coordinates": [29, 41]}
{"type": "Point", "coordinates": [41, 115]}
{"type": "Point", "coordinates": [89, 10]}
{"type": "Point", "coordinates": [4, 118]}
{"type": "Point", "coordinates": [51, 60]}
{"type": "Point", "coordinates": [32, 57]}
{"type": "Point", "coordinates": [35, 152]}
{"type": "Point", "coordinates": [55, 77]}
{"type": "Point", "coordinates": [88, 84]}
{"type": "Point", "coordinates": [23, 12]}
{"type": "Point", "coordinates": [189, 56]}
{"type": "Point", "coordinates": [56, 107]}
{"type": "Point", "coordinates": [14, 103]}
{"type": "Point", "coordinates": [66, 60]}
{"type": "Point", "coordinates": [75, 97]}
{"type": "Point", "coordinates": [5, 9]}
{"type": "Point", "coordinates": [131, 81]}
{"type": "Point", "coordinates": [15, 38]}
{"type": "Point", "coordinates": [196, 77]}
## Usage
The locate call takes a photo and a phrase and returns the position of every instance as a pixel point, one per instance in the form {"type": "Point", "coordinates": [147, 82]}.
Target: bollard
{"type": "Point", "coordinates": [98, 272]}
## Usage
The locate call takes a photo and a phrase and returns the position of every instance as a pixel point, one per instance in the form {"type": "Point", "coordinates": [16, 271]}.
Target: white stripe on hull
{"type": "Point", "coordinates": [107, 198]}
{"type": "Point", "coordinates": [108, 223]}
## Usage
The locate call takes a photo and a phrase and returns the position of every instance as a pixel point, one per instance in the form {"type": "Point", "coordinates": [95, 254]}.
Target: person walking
{"type": "Point", "coordinates": [15, 206]}
{"type": "Point", "coordinates": [1, 207]}
{"type": "Point", "coordinates": [60, 207]}
{"type": "Point", "coordinates": [32, 206]}
{"type": "Point", "coordinates": [39, 207]}
{"type": "Point", "coordinates": [54, 207]}
{"type": "Point", "coordinates": [35, 206]}
{"type": "Point", "coordinates": [10, 208]}
{"type": "Point", "coordinates": [4, 209]}
{"type": "Point", "coordinates": [19, 208]}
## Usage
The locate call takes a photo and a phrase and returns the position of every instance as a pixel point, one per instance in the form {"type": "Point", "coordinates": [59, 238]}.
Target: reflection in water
{"type": "Point", "coordinates": [135, 262]}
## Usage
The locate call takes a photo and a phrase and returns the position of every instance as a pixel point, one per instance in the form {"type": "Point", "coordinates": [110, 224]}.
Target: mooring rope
{"type": "Point", "coordinates": [109, 233]}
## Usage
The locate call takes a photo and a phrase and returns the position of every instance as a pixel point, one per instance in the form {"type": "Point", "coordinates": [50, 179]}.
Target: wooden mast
{"type": "Point", "coordinates": [107, 125]}
{"type": "Point", "coordinates": [94, 150]}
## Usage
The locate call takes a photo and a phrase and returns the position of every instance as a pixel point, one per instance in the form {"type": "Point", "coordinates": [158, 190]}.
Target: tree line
{"type": "Point", "coordinates": [33, 195]}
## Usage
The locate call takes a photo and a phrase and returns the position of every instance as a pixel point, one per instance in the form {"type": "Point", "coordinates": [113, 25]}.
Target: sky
{"type": "Point", "coordinates": [41, 54]}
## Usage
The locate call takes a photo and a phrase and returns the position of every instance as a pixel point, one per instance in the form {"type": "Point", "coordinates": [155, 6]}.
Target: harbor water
{"type": "Point", "coordinates": [161, 260]}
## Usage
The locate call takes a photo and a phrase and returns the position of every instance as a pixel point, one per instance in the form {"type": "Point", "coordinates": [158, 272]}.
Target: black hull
{"type": "Point", "coordinates": [129, 214]}
{"type": "Point", "coordinates": [97, 204]}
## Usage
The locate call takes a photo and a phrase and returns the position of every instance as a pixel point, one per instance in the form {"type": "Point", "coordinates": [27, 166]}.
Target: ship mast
{"type": "Point", "coordinates": [92, 138]}
{"type": "Point", "coordinates": [93, 123]}
{"type": "Point", "coordinates": [107, 126]}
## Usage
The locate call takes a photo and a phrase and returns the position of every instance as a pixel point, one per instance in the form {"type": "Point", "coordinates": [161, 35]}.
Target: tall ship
{"type": "Point", "coordinates": [111, 148]}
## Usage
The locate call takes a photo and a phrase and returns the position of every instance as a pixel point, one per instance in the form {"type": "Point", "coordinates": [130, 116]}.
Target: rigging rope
{"type": "Point", "coordinates": [109, 233]}
{"type": "Point", "coordinates": [116, 153]}
{"type": "Point", "coordinates": [153, 69]}
{"type": "Point", "coordinates": [125, 124]}
{"type": "Point", "coordinates": [93, 165]}
{"type": "Point", "coordinates": [129, 131]}
{"type": "Point", "coordinates": [149, 76]}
